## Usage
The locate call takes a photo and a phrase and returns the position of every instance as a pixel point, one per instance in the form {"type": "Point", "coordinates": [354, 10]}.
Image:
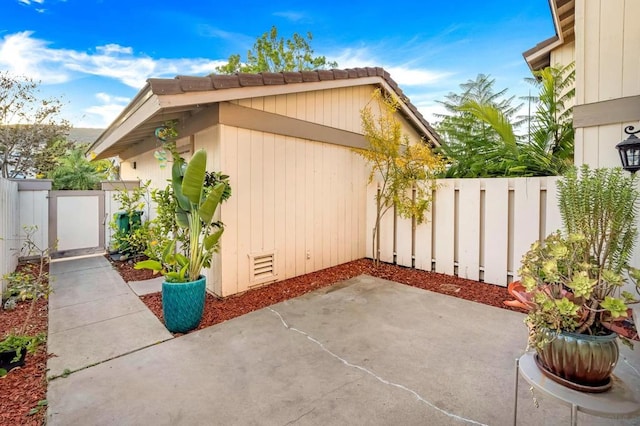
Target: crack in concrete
{"type": "Point", "coordinates": [294, 421]}
{"type": "Point", "coordinates": [624, 359]}
{"type": "Point", "coordinates": [374, 375]}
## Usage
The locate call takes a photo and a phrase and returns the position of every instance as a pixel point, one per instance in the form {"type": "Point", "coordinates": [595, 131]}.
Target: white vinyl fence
{"type": "Point", "coordinates": [9, 227]}
{"type": "Point", "coordinates": [477, 228]}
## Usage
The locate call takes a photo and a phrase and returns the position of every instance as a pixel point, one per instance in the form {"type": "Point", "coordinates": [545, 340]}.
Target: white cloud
{"type": "Point", "coordinates": [292, 15]}
{"type": "Point", "coordinates": [101, 115]}
{"type": "Point", "coordinates": [403, 74]}
{"type": "Point", "coordinates": [23, 54]}
{"type": "Point", "coordinates": [114, 49]}
{"type": "Point", "coordinates": [28, 2]}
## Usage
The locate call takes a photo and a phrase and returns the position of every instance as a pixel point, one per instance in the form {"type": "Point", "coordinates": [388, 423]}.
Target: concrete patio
{"type": "Point", "coordinates": [365, 351]}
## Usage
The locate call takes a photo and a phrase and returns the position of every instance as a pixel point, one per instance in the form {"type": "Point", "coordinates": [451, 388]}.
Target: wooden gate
{"type": "Point", "coordinates": [76, 222]}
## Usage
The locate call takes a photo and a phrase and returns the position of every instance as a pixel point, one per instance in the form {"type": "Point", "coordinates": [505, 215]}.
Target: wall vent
{"type": "Point", "coordinates": [262, 268]}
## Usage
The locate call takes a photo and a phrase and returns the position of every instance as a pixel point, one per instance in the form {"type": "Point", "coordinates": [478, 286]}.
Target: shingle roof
{"type": "Point", "coordinates": [126, 131]}
{"type": "Point", "coordinates": [184, 84]}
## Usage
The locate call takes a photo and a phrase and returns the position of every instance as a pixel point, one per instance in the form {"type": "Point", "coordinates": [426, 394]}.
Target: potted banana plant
{"type": "Point", "coordinates": [184, 287]}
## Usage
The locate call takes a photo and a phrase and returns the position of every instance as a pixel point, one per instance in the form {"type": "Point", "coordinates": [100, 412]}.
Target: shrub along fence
{"type": "Point", "coordinates": [477, 228]}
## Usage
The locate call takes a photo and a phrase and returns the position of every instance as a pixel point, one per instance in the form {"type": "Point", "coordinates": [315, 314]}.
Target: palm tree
{"type": "Point", "coordinates": [480, 138]}
{"type": "Point", "coordinates": [76, 172]}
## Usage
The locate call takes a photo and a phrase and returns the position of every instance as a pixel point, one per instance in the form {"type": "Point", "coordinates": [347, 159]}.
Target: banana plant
{"type": "Point", "coordinates": [195, 211]}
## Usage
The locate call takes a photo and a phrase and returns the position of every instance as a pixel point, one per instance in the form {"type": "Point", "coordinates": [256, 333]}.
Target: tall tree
{"type": "Point", "coordinates": [273, 54]}
{"type": "Point", "coordinates": [405, 171]}
{"type": "Point", "coordinates": [27, 123]}
{"type": "Point", "coordinates": [469, 139]}
{"type": "Point", "coordinates": [552, 124]}
{"type": "Point", "coordinates": [480, 137]}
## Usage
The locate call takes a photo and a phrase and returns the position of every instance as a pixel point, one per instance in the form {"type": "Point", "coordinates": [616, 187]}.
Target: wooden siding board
{"type": "Point", "coordinates": [340, 207]}
{"type": "Point", "coordinates": [526, 227]}
{"type": "Point", "coordinates": [591, 66]}
{"type": "Point", "coordinates": [280, 215]}
{"type": "Point", "coordinates": [327, 192]}
{"type": "Point", "coordinates": [229, 213]}
{"type": "Point", "coordinates": [370, 219]}
{"type": "Point", "coordinates": [469, 229]}
{"type": "Point", "coordinates": [424, 242]}
{"type": "Point", "coordinates": [403, 250]}
{"type": "Point", "coordinates": [256, 190]}
{"type": "Point", "coordinates": [309, 210]}
{"type": "Point", "coordinates": [631, 47]}
{"type": "Point", "coordinates": [552, 221]}
{"type": "Point", "coordinates": [445, 225]}
{"type": "Point", "coordinates": [496, 231]}
{"type": "Point", "coordinates": [319, 190]}
{"type": "Point", "coordinates": [243, 193]}
{"type": "Point", "coordinates": [270, 104]}
{"type": "Point", "coordinates": [290, 202]}
{"type": "Point", "coordinates": [611, 48]}
{"type": "Point", "coordinates": [300, 220]}
{"type": "Point", "coordinates": [269, 190]}
{"type": "Point", "coordinates": [334, 221]}
{"type": "Point", "coordinates": [386, 237]}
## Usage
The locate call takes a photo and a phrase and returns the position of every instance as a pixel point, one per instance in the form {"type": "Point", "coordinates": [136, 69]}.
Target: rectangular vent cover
{"type": "Point", "coordinates": [262, 268]}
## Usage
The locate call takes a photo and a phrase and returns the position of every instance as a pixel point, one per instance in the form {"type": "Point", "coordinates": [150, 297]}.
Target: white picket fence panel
{"type": "Point", "coordinates": [476, 229]}
{"type": "Point", "coordinates": [9, 227]}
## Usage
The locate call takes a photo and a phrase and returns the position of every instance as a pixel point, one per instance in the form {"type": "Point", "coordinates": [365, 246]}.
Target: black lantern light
{"type": "Point", "coordinates": [629, 150]}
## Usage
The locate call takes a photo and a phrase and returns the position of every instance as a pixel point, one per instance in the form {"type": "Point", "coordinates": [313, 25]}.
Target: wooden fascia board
{"type": "Point", "coordinates": [136, 115]}
{"type": "Point", "coordinates": [190, 125]}
{"type": "Point", "coordinates": [532, 55]}
{"type": "Point", "coordinates": [212, 96]}
{"type": "Point", "coordinates": [268, 122]}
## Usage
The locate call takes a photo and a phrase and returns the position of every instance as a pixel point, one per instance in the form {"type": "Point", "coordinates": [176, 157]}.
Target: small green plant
{"type": "Point", "coordinates": [195, 208]}
{"type": "Point", "coordinates": [131, 238]}
{"type": "Point", "coordinates": [574, 281]}
{"type": "Point", "coordinates": [29, 284]}
{"type": "Point", "coordinates": [38, 407]}
{"type": "Point", "coordinates": [17, 342]}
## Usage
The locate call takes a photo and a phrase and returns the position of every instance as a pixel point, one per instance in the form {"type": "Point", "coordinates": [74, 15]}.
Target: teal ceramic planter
{"type": "Point", "coordinates": [183, 304]}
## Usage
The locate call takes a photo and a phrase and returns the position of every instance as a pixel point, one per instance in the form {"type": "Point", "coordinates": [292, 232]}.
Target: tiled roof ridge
{"type": "Point", "coordinates": [183, 84]}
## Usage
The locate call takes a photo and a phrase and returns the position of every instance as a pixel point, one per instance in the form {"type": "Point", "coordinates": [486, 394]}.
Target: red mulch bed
{"type": "Point", "coordinates": [219, 310]}
{"type": "Point", "coordinates": [128, 273]}
{"type": "Point", "coordinates": [24, 387]}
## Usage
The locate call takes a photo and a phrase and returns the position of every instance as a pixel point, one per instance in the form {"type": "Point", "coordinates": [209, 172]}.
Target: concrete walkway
{"type": "Point", "coordinates": [362, 352]}
{"type": "Point", "coordinates": [94, 316]}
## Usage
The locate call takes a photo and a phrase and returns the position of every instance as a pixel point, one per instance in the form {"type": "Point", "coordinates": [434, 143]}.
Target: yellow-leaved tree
{"type": "Point", "coordinates": [405, 171]}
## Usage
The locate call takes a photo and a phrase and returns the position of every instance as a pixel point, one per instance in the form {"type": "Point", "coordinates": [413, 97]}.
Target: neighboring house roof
{"type": "Point", "coordinates": [186, 97]}
{"type": "Point", "coordinates": [563, 12]}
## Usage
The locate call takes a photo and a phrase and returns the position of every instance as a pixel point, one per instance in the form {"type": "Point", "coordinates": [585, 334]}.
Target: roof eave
{"type": "Point", "coordinates": [110, 134]}
{"type": "Point", "coordinates": [563, 13]}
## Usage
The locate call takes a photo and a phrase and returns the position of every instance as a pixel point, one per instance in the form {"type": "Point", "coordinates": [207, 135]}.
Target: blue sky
{"type": "Point", "coordinates": [96, 54]}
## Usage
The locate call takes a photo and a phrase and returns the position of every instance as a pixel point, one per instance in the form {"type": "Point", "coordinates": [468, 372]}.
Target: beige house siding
{"type": "Point", "coordinates": [607, 68]}
{"type": "Point", "coordinates": [564, 54]}
{"type": "Point", "coordinates": [607, 49]}
{"type": "Point", "coordinates": [302, 200]}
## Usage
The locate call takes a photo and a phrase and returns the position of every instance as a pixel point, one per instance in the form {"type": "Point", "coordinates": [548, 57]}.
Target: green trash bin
{"type": "Point", "coordinates": [126, 223]}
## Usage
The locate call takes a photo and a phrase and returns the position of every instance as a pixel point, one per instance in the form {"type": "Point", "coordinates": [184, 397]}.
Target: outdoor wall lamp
{"type": "Point", "coordinates": [629, 150]}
